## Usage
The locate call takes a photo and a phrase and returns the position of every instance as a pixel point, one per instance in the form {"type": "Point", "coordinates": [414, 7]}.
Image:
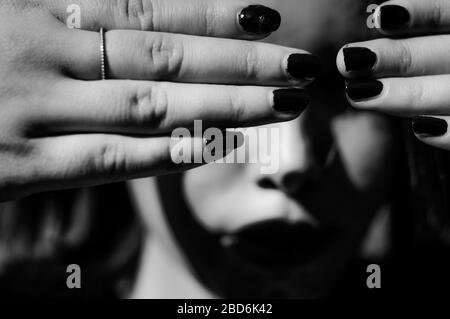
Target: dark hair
{"type": "Point", "coordinates": [43, 234]}
{"type": "Point", "coordinates": [423, 212]}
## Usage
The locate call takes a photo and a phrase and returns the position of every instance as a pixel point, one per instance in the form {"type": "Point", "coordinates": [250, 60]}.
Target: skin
{"type": "Point", "coordinates": [62, 128]}
{"type": "Point", "coordinates": [346, 159]}
{"type": "Point", "coordinates": [413, 65]}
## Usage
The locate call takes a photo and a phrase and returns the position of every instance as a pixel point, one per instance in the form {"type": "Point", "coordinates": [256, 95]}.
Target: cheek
{"type": "Point", "coordinates": [365, 143]}
{"type": "Point", "coordinates": [207, 191]}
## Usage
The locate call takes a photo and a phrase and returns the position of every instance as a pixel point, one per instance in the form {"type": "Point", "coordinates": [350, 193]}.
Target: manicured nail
{"type": "Point", "coordinates": [304, 66]}
{"type": "Point", "coordinates": [259, 19]}
{"type": "Point", "coordinates": [429, 126]}
{"type": "Point", "coordinates": [359, 59]}
{"type": "Point", "coordinates": [393, 17]}
{"type": "Point", "coordinates": [290, 100]}
{"type": "Point", "coordinates": [361, 90]}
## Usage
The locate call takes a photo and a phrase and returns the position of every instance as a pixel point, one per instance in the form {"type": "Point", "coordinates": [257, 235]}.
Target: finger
{"type": "Point", "coordinates": [396, 58]}
{"type": "Point", "coordinates": [231, 18]}
{"type": "Point", "coordinates": [432, 130]}
{"type": "Point", "coordinates": [182, 58]}
{"type": "Point", "coordinates": [413, 16]}
{"type": "Point", "coordinates": [87, 160]}
{"type": "Point", "coordinates": [402, 96]}
{"type": "Point", "coordinates": [160, 107]}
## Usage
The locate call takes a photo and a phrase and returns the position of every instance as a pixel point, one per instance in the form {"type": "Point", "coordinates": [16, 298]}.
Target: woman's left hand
{"type": "Point", "coordinates": [407, 74]}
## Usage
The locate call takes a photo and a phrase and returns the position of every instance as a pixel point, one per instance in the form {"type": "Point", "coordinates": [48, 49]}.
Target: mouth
{"type": "Point", "coordinates": [278, 244]}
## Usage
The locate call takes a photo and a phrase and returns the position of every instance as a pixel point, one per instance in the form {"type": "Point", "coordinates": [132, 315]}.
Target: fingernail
{"type": "Point", "coordinates": [359, 59]}
{"type": "Point", "coordinates": [259, 19]}
{"type": "Point", "coordinates": [429, 126]}
{"type": "Point", "coordinates": [304, 66]}
{"type": "Point", "coordinates": [393, 17]}
{"type": "Point", "coordinates": [290, 100]}
{"type": "Point", "coordinates": [360, 90]}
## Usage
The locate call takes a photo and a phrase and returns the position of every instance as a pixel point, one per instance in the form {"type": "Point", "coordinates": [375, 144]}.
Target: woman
{"type": "Point", "coordinates": [210, 232]}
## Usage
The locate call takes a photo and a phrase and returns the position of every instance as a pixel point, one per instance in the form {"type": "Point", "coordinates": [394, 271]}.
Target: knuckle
{"type": "Point", "coordinates": [110, 158]}
{"type": "Point", "coordinates": [417, 96]}
{"type": "Point", "coordinates": [136, 13]}
{"type": "Point", "coordinates": [436, 13]}
{"type": "Point", "coordinates": [165, 56]}
{"type": "Point", "coordinates": [209, 19]}
{"type": "Point", "coordinates": [148, 106]}
{"type": "Point", "coordinates": [405, 58]}
{"type": "Point", "coordinates": [251, 64]}
{"type": "Point", "coordinates": [237, 104]}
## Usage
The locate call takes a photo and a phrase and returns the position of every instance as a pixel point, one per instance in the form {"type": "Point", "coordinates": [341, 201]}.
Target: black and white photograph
{"type": "Point", "coordinates": [224, 155]}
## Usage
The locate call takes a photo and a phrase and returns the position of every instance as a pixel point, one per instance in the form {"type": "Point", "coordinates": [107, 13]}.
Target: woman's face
{"type": "Point", "coordinates": [309, 217]}
{"type": "Point", "coordinates": [335, 173]}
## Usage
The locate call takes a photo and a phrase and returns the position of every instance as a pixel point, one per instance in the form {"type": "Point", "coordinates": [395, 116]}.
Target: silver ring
{"type": "Point", "coordinates": [103, 53]}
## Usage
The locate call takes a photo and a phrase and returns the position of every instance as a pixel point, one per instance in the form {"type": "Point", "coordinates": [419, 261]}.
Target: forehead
{"type": "Point", "coordinates": [315, 24]}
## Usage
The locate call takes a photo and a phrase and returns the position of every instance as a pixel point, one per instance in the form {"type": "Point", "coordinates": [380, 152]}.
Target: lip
{"type": "Point", "coordinates": [279, 245]}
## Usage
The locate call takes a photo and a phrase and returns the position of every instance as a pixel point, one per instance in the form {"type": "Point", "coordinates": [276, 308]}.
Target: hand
{"type": "Point", "coordinates": [409, 74]}
{"type": "Point", "coordinates": [170, 64]}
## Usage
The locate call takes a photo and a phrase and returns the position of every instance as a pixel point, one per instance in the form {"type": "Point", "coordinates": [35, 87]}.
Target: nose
{"type": "Point", "coordinates": [298, 167]}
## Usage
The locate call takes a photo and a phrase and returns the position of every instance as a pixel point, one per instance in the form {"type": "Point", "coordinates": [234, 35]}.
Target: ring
{"type": "Point", "coordinates": [103, 54]}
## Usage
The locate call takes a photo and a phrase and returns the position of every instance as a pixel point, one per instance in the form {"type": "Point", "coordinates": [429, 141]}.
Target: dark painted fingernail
{"type": "Point", "coordinates": [304, 66]}
{"type": "Point", "coordinates": [360, 90]}
{"type": "Point", "coordinates": [394, 17]}
{"type": "Point", "coordinates": [359, 59]}
{"type": "Point", "coordinates": [259, 19]}
{"type": "Point", "coordinates": [290, 100]}
{"type": "Point", "coordinates": [429, 126]}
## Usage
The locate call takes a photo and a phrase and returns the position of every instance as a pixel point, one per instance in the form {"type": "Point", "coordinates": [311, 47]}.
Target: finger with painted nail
{"type": "Point", "coordinates": [413, 17]}
{"type": "Point", "coordinates": [432, 130]}
{"type": "Point", "coordinates": [404, 97]}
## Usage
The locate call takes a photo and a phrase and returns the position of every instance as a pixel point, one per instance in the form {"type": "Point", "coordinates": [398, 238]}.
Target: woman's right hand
{"type": "Point", "coordinates": [169, 63]}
